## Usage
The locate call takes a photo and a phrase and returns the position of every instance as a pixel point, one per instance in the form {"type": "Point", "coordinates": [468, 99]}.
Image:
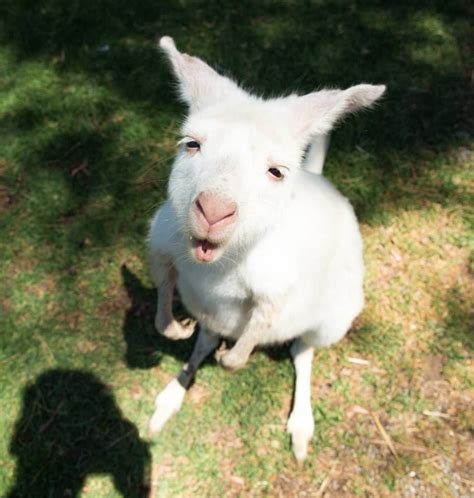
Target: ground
{"type": "Point", "coordinates": [88, 125]}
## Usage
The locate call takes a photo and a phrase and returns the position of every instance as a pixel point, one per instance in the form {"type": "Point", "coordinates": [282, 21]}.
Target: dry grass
{"type": "Point", "coordinates": [88, 124]}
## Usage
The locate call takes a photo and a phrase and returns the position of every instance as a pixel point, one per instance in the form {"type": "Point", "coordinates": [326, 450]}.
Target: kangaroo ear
{"type": "Point", "coordinates": [199, 84]}
{"type": "Point", "coordinates": [317, 112]}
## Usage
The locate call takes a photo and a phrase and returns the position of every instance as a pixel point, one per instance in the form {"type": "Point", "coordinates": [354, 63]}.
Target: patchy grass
{"type": "Point", "coordinates": [87, 128]}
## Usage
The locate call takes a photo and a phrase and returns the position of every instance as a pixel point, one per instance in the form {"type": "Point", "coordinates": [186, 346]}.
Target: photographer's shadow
{"type": "Point", "coordinates": [70, 428]}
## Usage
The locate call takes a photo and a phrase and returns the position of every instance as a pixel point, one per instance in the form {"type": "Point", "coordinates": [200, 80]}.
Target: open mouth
{"type": "Point", "coordinates": [204, 250]}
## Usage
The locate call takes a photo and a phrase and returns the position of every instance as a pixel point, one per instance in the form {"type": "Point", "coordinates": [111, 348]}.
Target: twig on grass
{"type": "Point", "coordinates": [435, 414]}
{"type": "Point", "coordinates": [403, 447]}
{"type": "Point", "coordinates": [325, 483]}
{"type": "Point", "coordinates": [50, 358]}
{"type": "Point", "coordinates": [383, 433]}
{"type": "Point", "coordinates": [358, 361]}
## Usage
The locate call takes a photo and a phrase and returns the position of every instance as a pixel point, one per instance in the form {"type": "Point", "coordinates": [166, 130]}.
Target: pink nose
{"type": "Point", "coordinates": [212, 209]}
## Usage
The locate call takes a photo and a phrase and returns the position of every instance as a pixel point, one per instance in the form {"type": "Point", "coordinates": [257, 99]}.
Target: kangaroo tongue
{"type": "Point", "coordinates": [206, 245]}
{"type": "Point", "coordinates": [205, 250]}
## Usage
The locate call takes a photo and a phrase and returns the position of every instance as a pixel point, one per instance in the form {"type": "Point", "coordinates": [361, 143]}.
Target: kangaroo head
{"type": "Point", "coordinates": [239, 154]}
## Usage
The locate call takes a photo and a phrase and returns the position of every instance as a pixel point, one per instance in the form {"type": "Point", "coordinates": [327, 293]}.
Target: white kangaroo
{"type": "Point", "coordinates": [262, 249]}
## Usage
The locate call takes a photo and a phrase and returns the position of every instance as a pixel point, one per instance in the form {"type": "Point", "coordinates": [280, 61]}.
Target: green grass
{"type": "Point", "coordinates": [88, 120]}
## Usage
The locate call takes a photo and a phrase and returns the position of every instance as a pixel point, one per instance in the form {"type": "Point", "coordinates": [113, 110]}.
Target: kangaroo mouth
{"type": "Point", "coordinates": [204, 250]}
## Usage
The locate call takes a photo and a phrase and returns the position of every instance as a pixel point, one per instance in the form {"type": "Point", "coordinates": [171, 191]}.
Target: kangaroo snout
{"type": "Point", "coordinates": [213, 212]}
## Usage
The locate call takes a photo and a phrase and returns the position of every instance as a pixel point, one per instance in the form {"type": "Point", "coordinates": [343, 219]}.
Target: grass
{"type": "Point", "coordinates": [88, 121]}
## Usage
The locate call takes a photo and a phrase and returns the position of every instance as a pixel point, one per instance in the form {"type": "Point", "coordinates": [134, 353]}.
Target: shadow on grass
{"type": "Point", "coordinates": [71, 428]}
{"type": "Point", "coordinates": [421, 51]}
{"type": "Point", "coordinates": [144, 345]}
{"type": "Point", "coordinates": [455, 336]}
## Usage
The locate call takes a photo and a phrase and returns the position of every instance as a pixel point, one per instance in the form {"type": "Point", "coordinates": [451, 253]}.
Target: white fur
{"type": "Point", "coordinates": [292, 262]}
{"type": "Point", "coordinates": [301, 423]}
{"type": "Point", "coordinates": [167, 403]}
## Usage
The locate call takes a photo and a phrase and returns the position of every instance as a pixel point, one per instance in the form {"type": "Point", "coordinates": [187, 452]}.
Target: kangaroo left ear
{"type": "Point", "coordinates": [317, 112]}
{"type": "Point", "coordinates": [199, 84]}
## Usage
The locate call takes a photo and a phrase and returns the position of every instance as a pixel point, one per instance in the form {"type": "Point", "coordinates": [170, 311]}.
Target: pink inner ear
{"type": "Point", "coordinates": [317, 112]}
{"type": "Point", "coordinates": [363, 95]}
{"type": "Point", "coordinates": [200, 85]}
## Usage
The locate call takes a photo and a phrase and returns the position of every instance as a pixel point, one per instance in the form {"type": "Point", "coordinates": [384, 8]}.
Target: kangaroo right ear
{"type": "Point", "coordinates": [199, 84]}
{"type": "Point", "coordinates": [317, 112]}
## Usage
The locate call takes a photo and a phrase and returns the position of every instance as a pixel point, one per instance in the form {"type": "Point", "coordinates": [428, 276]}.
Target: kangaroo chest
{"type": "Point", "coordinates": [218, 300]}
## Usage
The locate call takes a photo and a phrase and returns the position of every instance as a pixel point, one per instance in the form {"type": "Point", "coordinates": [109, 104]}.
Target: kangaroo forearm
{"type": "Point", "coordinates": [256, 331]}
{"type": "Point", "coordinates": [165, 296]}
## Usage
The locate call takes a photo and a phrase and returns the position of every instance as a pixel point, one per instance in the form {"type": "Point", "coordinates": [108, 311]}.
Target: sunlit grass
{"type": "Point", "coordinates": [88, 123]}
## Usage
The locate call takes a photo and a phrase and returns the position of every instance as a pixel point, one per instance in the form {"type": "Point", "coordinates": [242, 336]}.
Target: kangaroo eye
{"type": "Point", "coordinates": [275, 173]}
{"type": "Point", "coordinates": [193, 146]}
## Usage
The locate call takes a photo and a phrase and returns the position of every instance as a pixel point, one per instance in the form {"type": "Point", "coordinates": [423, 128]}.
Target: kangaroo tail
{"type": "Point", "coordinates": [314, 160]}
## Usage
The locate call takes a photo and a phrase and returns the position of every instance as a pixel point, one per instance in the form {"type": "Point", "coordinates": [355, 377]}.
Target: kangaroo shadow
{"type": "Point", "coordinates": [145, 347]}
{"type": "Point", "coordinates": [70, 428]}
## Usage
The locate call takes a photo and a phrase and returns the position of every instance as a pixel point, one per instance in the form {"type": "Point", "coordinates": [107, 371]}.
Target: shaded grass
{"type": "Point", "coordinates": [87, 126]}
{"type": "Point", "coordinates": [62, 437]}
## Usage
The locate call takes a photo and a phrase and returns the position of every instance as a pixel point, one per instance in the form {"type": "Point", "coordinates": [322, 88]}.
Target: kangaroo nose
{"type": "Point", "coordinates": [215, 209]}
